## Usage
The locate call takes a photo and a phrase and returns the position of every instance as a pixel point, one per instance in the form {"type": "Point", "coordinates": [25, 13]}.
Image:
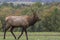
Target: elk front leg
{"type": "Point", "coordinates": [12, 32]}
{"type": "Point", "coordinates": [21, 33]}
{"type": "Point", "coordinates": [26, 34]}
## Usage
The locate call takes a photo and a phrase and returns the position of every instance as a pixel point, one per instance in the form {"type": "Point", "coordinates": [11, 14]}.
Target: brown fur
{"type": "Point", "coordinates": [20, 21]}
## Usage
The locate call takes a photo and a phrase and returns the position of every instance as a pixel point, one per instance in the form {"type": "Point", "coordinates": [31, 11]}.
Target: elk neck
{"type": "Point", "coordinates": [33, 20]}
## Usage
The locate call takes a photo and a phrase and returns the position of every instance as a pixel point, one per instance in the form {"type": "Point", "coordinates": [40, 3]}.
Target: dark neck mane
{"type": "Point", "coordinates": [32, 20]}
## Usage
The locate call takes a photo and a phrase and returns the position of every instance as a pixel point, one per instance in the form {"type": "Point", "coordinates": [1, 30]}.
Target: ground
{"type": "Point", "coordinates": [33, 36]}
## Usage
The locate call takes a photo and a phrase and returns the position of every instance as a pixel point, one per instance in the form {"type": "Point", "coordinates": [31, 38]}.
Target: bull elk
{"type": "Point", "coordinates": [24, 22]}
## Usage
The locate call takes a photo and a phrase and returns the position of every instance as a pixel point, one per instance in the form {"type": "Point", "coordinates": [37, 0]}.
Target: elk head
{"type": "Point", "coordinates": [36, 17]}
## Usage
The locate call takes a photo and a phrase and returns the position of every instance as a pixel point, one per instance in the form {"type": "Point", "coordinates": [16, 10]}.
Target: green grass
{"type": "Point", "coordinates": [33, 36]}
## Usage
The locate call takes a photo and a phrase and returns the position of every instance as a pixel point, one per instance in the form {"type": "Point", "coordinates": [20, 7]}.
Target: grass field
{"type": "Point", "coordinates": [33, 36]}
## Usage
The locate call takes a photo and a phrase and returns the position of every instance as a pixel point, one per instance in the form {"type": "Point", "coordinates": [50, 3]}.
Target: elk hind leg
{"type": "Point", "coordinates": [12, 32]}
{"type": "Point", "coordinates": [5, 29]}
{"type": "Point", "coordinates": [21, 33]}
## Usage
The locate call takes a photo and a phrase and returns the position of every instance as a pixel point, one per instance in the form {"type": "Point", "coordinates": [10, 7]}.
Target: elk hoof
{"type": "Point", "coordinates": [16, 39]}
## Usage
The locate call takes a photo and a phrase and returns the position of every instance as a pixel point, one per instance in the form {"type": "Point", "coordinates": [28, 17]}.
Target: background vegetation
{"type": "Point", "coordinates": [49, 14]}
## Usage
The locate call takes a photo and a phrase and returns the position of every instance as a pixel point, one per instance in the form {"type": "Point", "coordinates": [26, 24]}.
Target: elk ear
{"type": "Point", "coordinates": [34, 12]}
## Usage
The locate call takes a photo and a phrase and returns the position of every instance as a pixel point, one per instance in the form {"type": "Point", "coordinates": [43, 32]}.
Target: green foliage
{"type": "Point", "coordinates": [49, 15]}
